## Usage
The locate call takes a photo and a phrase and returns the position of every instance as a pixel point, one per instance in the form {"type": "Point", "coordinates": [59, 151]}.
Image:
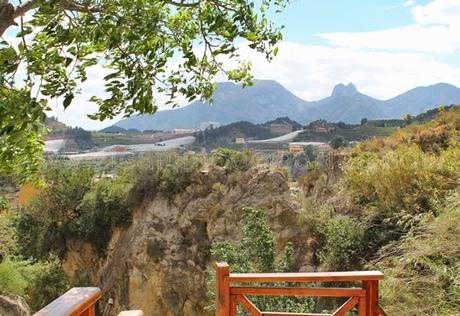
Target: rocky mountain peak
{"type": "Point", "coordinates": [342, 90]}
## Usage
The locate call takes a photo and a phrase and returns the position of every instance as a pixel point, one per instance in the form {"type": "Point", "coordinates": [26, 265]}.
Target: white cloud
{"type": "Point", "coordinates": [446, 12]}
{"type": "Point", "coordinates": [409, 3]}
{"type": "Point", "coordinates": [311, 71]}
{"type": "Point", "coordinates": [435, 30]}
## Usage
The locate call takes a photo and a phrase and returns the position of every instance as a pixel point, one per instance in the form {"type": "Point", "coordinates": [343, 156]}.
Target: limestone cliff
{"type": "Point", "coordinates": [158, 264]}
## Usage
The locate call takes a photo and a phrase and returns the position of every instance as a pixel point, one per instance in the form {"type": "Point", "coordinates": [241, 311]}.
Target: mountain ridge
{"type": "Point", "coordinates": [268, 99]}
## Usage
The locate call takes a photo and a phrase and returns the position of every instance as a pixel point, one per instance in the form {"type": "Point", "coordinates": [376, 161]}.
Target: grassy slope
{"type": "Point", "coordinates": [394, 206]}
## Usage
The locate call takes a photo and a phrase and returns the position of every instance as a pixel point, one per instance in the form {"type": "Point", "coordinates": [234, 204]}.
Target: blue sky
{"type": "Point", "coordinates": [384, 47]}
{"type": "Point", "coordinates": [305, 18]}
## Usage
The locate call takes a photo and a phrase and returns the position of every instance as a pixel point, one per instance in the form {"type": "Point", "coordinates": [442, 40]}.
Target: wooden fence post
{"type": "Point", "coordinates": [222, 289]}
{"type": "Point", "coordinates": [372, 297]}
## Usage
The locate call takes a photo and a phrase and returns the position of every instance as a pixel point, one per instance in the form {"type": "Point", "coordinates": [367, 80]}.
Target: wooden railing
{"type": "Point", "coordinates": [229, 296]}
{"type": "Point", "coordinates": [78, 301]}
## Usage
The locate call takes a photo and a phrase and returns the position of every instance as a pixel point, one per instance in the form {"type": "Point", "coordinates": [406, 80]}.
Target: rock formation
{"type": "Point", "coordinates": [159, 263]}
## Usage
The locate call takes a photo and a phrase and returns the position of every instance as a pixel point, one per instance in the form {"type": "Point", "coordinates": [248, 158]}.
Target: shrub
{"type": "Point", "coordinates": [344, 243]}
{"type": "Point", "coordinates": [256, 253]}
{"type": "Point", "coordinates": [4, 204]}
{"type": "Point", "coordinates": [7, 236]}
{"type": "Point", "coordinates": [234, 160]}
{"type": "Point", "coordinates": [424, 266]}
{"type": "Point", "coordinates": [42, 226]}
{"type": "Point", "coordinates": [102, 208]}
{"type": "Point", "coordinates": [38, 282]}
{"type": "Point", "coordinates": [400, 182]}
{"type": "Point", "coordinates": [168, 174]}
{"type": "Point", "coordinates": [72, 206]}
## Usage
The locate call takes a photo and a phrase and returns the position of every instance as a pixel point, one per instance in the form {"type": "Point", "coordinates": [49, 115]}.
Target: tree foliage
{"type": "Point", "coordinates": [39, 282]}
{"type": "Point", "coordinates": [149, 49]}
{"type": "Point", "coordinates": [257, 253]}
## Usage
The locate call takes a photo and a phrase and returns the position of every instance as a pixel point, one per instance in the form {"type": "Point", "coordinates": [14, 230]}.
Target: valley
{"type": "Point", "coordinates": [153, 218]}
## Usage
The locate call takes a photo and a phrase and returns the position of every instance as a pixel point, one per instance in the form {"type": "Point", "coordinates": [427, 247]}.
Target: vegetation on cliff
{"type": "Point", "coordinates": [391, 209]}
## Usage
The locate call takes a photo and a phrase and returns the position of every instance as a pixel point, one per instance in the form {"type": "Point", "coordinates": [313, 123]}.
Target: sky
{"type": "Point", "coordinates": [384, 47]}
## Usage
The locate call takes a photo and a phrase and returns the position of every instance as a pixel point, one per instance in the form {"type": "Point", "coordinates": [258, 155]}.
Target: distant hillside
{"type": "Point", "coordinates": [348, 105]}
{"type": "Point", "coordinates": [421, 99]}
{"type": "Point", "coordinates": [226, 135]}
{"type": "Point", "coordinates": [268, 100]}
{"type": "Point", "coordinates": [231, 103]}
{"type": "Point", "coordinates": [114, 129]}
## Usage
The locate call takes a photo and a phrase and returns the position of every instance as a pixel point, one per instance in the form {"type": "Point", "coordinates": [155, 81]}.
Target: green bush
{"type": "Point", "coordinates": [38, 282]}
{"type": "Point", "coordinates": [42, 226]}
{"type": "Point", "coordinates": [102, 208]}
{"type": "Point", "coordinates": [234, 160]}
{"type": "Point", "coordinates": [344, 244]}
{"type": "Point", "coordinates": [256, 253]}
{"type": "Point", "coordinates": [7, 236]}
{"type": "Point", "coordinates": [168, 174]}
{"type": "Point", "coordinates": [4, 203]}
{"type": "Point", "coordinates": [72, 206]}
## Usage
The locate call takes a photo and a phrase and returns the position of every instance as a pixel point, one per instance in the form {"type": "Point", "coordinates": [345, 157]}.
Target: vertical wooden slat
{"type": "Point", "coordinates": [372, 297]}
{"type": "Point", "coordinates": [233, 305]}
{"type": "Point", "coordinates": [222, 289]}
{"type": "Point", "coordinates": [362, 307]}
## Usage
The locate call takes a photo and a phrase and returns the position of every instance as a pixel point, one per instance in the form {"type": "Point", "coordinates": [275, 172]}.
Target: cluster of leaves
{"type": "Point", "coordinates": [39, 282]}
{"type": "Point", "coordinates": [257, 253]}
{"type": "Point", "coordinates": [234, 160]}
{"type": "Point", "coordinates": [4, 203]}
{"type": "Point", "coordinates": [21, 118]}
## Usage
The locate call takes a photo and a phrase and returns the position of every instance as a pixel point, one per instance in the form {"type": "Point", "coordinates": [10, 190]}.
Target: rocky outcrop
{"type": "Point", "coordinates": [159, 263]}
{"type": "Point", "coordinates": [12, 305]}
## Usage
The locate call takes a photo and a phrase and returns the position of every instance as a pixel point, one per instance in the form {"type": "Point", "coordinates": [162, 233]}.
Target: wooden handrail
{"type": "Point", "coordinates": [78, 301]}
{"type": "Point", "coordinates": [307, 277]}
{"type": "Point", "coordinates": [364, 298]}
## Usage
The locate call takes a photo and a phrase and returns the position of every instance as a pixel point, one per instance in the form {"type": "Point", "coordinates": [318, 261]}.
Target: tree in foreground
{"type": "Point", "coordinates": [149, 48]}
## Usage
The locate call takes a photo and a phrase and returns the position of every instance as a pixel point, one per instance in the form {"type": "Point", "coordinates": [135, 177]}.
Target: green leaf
{"type": "Point", "coordinates": [67, 100]}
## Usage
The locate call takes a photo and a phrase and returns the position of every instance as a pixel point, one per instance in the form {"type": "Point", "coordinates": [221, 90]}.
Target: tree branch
{"type": "Point", "coordinates": [24, 8]}
{"type": "Point", "coordinates": [183, 4]}
{"type": "Point", "coordinates": [8, 12]}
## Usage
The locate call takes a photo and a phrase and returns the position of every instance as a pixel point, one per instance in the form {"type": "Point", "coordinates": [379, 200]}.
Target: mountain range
{"type": "Point", "coordinates": [268, 99]}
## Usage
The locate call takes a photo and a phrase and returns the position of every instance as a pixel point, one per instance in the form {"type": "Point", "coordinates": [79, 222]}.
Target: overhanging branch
{"type": "Point", "coordinates": [8, 12]}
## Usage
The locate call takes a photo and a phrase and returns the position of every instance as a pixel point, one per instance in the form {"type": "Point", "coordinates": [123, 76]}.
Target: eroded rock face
{"type": "Point", "coordinates": [158, 264]}
{"type": "Point", "coordinates": [12, 305]}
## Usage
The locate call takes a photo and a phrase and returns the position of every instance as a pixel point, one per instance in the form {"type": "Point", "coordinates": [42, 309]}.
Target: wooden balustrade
{"type": "Point", "coordinates": [78, 301]}
{"type": "Point", "coordinates": [364, 298]}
